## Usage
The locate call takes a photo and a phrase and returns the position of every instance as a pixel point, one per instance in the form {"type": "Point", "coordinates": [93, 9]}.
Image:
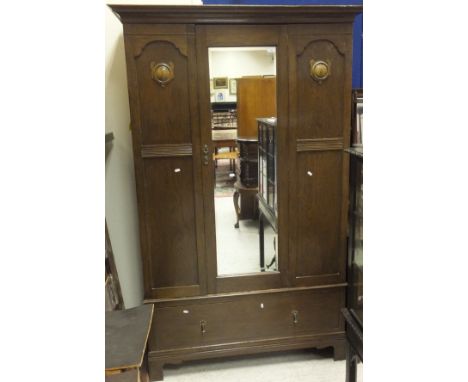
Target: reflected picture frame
{"type": "Point", "coordinates": [220, 83]}
{"type": "Point", "coordinates": [233, 86]}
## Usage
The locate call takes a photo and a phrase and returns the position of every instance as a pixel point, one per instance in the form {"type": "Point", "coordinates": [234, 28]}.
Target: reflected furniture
{"type": "Point", "coordinates": [256, 97]}
{"type": "Point", "coordinates": [198, 313]}
{"type": "Point", "coordinates": [247, 179]}
{"type": "Point", "coordinates": [248, 197]}
{"type": "Point", "coordinates": [267, 186]}
{"type": "Point", "coordinates": [247, 165]}
{"type": "Point", "coordinates": [223, 115]}
{"type": "Point", "coordinates": [225, 138]}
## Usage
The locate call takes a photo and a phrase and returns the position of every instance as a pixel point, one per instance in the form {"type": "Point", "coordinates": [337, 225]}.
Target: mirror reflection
{"type": "Point", "coordinates": [243, 128]}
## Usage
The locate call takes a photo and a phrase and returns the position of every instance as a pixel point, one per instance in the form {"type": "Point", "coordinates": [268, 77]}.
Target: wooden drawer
{"type": "Point", "coordinates": [222, 320]}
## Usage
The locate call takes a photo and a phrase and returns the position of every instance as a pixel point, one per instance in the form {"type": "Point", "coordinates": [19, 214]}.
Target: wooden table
{"type": "Point", "coordinates": [233, 155]}
{"type": "Point", "coordinates": [126, 337]}
{"type": "Point", "coordinates": [225, 138]}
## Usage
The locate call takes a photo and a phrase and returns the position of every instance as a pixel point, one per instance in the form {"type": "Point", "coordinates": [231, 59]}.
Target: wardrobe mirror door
{"type": "Point", "coordinates": [243, 132]}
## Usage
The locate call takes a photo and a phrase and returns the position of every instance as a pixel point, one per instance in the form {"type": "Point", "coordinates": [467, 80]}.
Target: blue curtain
{"type": "Point", "coordinates": [357, 35]}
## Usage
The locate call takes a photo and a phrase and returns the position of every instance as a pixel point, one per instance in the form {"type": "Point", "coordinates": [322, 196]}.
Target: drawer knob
{"type": "Point", "coordinates": [203, 326]}
{"type": "Point", "coordinates": [295, 314]}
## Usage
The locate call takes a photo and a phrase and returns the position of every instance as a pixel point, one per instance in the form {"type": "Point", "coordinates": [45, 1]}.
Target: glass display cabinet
{"type": "Point", "coordinates": [353, 313]}
{"type": "Point", "coordinates": [267, 162]}
{"type": "Point", "coordinates": [355, 243]}
{"type": "Point", "coordinates": [267, 189]}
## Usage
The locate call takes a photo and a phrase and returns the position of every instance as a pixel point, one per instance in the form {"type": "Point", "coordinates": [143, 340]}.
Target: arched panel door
{"type": "Point", "coordinates": [320, 83]}
{"type": "Point", "coordinates": [167, 159]}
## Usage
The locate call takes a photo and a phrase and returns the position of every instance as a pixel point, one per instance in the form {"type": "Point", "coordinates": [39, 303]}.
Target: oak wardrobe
{"type": "Point", "coordinates": [200, 313]}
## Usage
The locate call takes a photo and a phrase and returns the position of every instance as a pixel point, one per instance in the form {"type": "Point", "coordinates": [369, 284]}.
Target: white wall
{"type": "Point", "coordinates": [239, 63]}
{"type": "Point", "coordinates": [121, 208]}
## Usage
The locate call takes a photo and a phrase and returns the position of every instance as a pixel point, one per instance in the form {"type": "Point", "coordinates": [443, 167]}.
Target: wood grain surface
{"type": "Point", "coordinates": [171, 129]}
{"type": "Point", "coordinates": [256, 98]}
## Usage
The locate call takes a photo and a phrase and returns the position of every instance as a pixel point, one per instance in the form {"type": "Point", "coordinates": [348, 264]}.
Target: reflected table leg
{"type": "Point", "coordinates": [262, 241]}
{"type": "Point", "coordinates": [236, 207]}
{"type": "Point", "coordinates": [273, 260]}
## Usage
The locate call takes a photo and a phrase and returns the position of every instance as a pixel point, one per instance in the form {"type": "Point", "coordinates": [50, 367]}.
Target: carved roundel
{"type": "Point", "coordinates": [162, 73]}
{"type": "Point", "coordinates": [319, 70]}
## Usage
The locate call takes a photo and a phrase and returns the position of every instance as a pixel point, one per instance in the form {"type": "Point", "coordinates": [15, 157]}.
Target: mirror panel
{"type": "Point", "coordinates": [243, 97]}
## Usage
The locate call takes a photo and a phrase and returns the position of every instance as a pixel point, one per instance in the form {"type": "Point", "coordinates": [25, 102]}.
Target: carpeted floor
{"type": "Point", "coordinates": [294, 366]}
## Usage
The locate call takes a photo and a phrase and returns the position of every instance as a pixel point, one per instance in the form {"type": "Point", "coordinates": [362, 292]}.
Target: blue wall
{"type": "Point", "coordinates": [357, 35]}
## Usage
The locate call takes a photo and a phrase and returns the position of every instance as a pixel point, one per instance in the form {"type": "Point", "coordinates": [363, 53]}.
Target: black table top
{"type": "Point", "coordinates": [126, 336]}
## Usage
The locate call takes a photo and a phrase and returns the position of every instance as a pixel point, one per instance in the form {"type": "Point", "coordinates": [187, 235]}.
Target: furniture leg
{"type": "Point", "coordinates": [351, 364]}
{"type": "Point", "coordinates": [155, 371]}
{"type": "Point", "coordinates": [236, 207]}
{"type": "Point", "coordinates": [339, 351]}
